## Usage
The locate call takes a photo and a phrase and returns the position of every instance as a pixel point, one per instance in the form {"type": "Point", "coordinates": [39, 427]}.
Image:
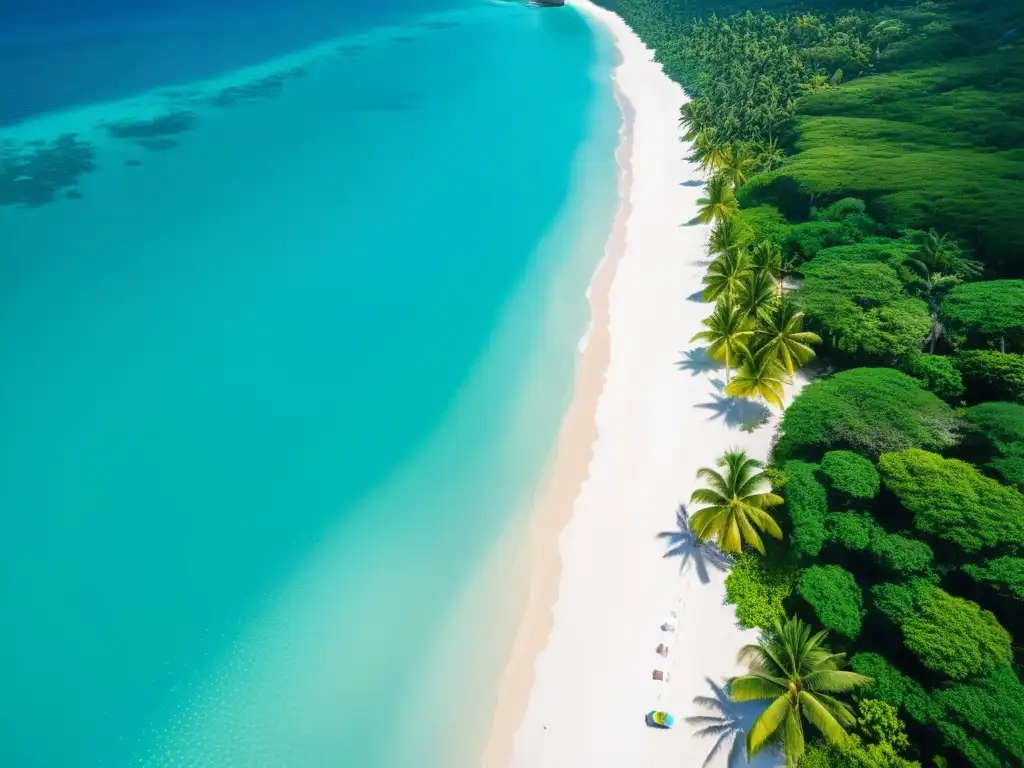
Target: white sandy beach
{"type": "Point", "coordinates": [611, 560]}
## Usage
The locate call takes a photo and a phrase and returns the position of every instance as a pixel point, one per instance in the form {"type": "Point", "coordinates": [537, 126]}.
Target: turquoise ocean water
{"type": "Point", "coordinates": [283, 351]}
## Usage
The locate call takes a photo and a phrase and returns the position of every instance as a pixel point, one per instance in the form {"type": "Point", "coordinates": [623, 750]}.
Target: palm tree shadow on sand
{"type": "Point", "coordinates": [734, 411]}
{"type": "Point", "coordinates": [728, 723]}
{"type": "Point", "coordinates": [684, 545]}
{"type": "Point", "coordinates": [697, 361]}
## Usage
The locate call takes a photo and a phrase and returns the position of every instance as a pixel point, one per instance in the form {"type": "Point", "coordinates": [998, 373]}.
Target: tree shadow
{"type": "Point", "coordinates": [692, 222]}
{"type": "Point", "coordinates": [734, 411]}
{"type": "Point", "coordinates": [695, 183]}
{"type": "Point", "coordinates": [728, 723]}
{"type": "Point", "coordinates": [696, 361]}
{"type": "Point", "coordinates": [697, 297]}
{"type": "Point", "coordinates": [684, 545]}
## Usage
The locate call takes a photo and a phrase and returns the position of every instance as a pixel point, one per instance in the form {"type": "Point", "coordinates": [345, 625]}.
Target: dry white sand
{"type": "Point", "coordinates": [611, 569]}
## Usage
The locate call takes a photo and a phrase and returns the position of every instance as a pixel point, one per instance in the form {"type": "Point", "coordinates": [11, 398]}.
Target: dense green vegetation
{"type": "Point", "coordinates": [874, 151]}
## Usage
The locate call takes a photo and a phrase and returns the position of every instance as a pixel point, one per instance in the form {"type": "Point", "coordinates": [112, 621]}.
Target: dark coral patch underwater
{"type": "Point", "coordinates": [34, 178]}
{"type": "Point", "coordinates": [165, 125]}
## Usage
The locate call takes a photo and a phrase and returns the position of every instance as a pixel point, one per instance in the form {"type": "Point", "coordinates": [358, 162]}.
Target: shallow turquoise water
{"type": "Point", "coordinates": [271, 397]}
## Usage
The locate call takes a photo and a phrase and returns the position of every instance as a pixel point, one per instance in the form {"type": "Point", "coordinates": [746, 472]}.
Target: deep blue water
{"type": "Point", "coordinates": [278, 374]}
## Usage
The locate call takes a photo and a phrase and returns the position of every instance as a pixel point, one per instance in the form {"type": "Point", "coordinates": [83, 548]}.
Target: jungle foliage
{"type": "Point", "coordinates": [874, 151]}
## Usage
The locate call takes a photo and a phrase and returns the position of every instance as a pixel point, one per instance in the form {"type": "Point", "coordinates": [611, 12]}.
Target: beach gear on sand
{"type": "Point", "coordinates": [662, 649]}
{"type": "Point", "coordinates": [660, 675]}
{"type": "Point", "coordinates": [660, 719]}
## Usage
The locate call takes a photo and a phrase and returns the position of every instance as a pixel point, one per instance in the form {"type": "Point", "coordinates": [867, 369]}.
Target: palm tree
{"type": "Point", "coordinates": [932, 286]}
{"type": "Point", "coordinates": [781, 332]}
{"type": "Point", "coordinates": [726, 274]}
{"type": "Point", "coordinates": [727, 235]}
{"type": "Point", "coordinates": [760, 375]}
{"type": "Point", "coordinates": [799, 674]}
{"type": "Point", "coordinates": [736, 508]}
{"type": "Point", "coordinates": [692, 120]}
{"type": "Point", "coordinates": [770, 155]}
{"type": "Point", "coordinates": [718, 202]}
{"type": "Point", "coordinates": [944, 254]}
{"type": "Point", "coordinates": [756, 293]}
{"type": "Point", "coordinates": [738, 164]}
{"type": "Point", "coordinates": [766, 257]}
{"type": "Point", "coordinates": [727, 330]}
{"type": "Point", "coordinates": [709, 150]}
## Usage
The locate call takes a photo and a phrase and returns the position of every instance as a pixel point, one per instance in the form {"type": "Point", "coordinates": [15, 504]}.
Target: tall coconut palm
{"type": "Point", "coordinates": [766, 257]}
{"type": "Point", "coordinates": [718, 202]}
{"type": "Point", "coordinates": [931, 287]}
{"type": "Point", "coordinates": [738, 164]}
{"type": "Point", "coordinates": [727, 331]}
{"type": "Point", "coordinates": [727, 235]}
{"type": "Point", "coordinates": [692, 120]}
{"type": "Point", "coordinates": [769, 154]}
{"type": "Point", "coordinates": [726, 275]}
{"type": "Point", "coordinates": [798, 673]}
{"type": "Point", "coordinates": [756, 293]}
{"type": "Point", "coordinates": [736, 506]}
{"type": "Point", "coordinates": [760, 375]}
{"type": "Point", "coordinates": [781, 333]}
{"type": "Point", "coordinates": [709, 150]}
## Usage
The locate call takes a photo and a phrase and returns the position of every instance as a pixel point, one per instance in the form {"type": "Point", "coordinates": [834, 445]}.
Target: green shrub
{"type": "Point", "coordinates": [990, 375]}
{"type": "Point", "coordinates": [937, 374]}
{"type": "Point", "coordinates": [851, 473]}
{"type": "Point", "coordinates": [880, 723]}
{"type": "Point", "coordinates": [986, 313]}
{"type": "Point", "coordinates": [757, 587]}
{"type": "Point", "coordinates": [1006, 573]}
{"type": "Point", "coordinates": [766, 223]}
{"type": "Point", "coordinates": [835, 597]}
{"type": "Point", "coordinates": [866, 410]}
{"type": "Point", "coordinates": [807, 504]}
{"type": "Point", "coordinates": [999, 427]}
{"type": "Point", "coordinates": [986, 709]}
{"type": "Point", "coordinates": [899, 553]}
{"type": "Point", "coordinates": [952, 500]}
{"type": "Point", "coordinates": [862, 310]}
{"type": "Point", "coordinates": [950, 635]}
{"type": "Point", "coordinates": [851, 529]}
{"type": "Point", "coordinates": [851, 753]}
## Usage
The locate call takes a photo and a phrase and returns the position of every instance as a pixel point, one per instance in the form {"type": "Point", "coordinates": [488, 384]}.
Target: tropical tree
{"type": "Point", "coordinates": [798, 673]}
{"type": "Point", "coordinates": [727, 331]}
{"type": "Point", "coordinates": [692, 119]}
{"type": "Point", "coordinates": [727, 235]}
{"type": "Point", "coordinates": [931, 287]}
{"type": "Point", "coordinates": [738, 164]}
{"type": "Point", "coordinates": [709, 150]}
{"type": "Point", "coordinates": [766, 257]}
{"type": "Point", "coordinates": [760, 375]}
{"type": "Point", "coordinates": [781, 333]}
{"type": "Point", "coordinates": [726, 275]}
{"type": "Point", "coordinates": [943, 253]}
{"type": "Point", "coordinates": [718, 202]}
{"type": "Point", "coordinates": [756, 293]}
{"type": "Point", "coordinates": [736, 507]}
{"type": "Point", "coordinates": [769, 154]}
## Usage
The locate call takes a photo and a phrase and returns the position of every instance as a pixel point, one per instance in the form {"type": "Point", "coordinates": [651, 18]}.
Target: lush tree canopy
{"type": "Point", "coordinates": [757, 589]}
{"type": "Point", "coordinates": [900, 553]}
{"type": "Point", "coordinates": [867, 410]}
{"type": "Point", "coordinates": [835, 597]}
{"type": "Point", "coordinates": [1006, 573]}
{"type": "Point", "coordinates": [950, 635]}
{"type": "Point", "coordinates": [998, 430]}
{"type": "Point", "coordinates": [937, 374]}
{"type": "Point", "coordinates": [851, 529]}
{"type": "Point", "coordinates": [952, 500]}
{"type": "Point", "coordinates": [851, 473]}
{"type": "Point", "coordinates": [862, 310]}
{"type": "Point", "coordinates": [991, 375]}
{"type": "Point", "coordinates": [807, 504]}
{"type": "Point", "coordinates": [979, 314]}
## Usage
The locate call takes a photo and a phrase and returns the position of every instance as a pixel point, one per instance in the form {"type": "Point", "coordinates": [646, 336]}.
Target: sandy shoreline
{"type": "Point", "coordinates": [610, 555]}
{"type": "Point", "coordinates": [568, 472]}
